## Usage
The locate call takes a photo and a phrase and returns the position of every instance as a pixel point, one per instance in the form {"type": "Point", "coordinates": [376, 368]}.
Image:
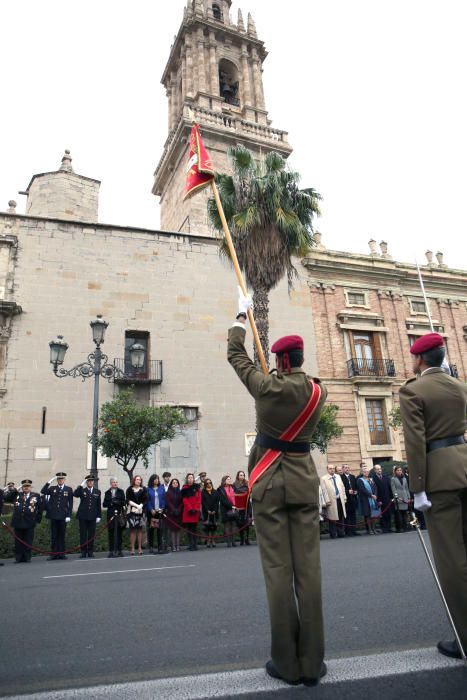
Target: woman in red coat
{"type": "Point", "coordinates": [191, 502]}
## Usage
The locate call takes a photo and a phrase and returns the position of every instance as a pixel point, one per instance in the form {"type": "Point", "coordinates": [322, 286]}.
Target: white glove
{"type": "Point", "coordinates": [51, 480]}
{"type": "Point", "coordinates": [421, 501]}
{"type": "Point", "coordinates": [67, 520]}
{"type": "Point", "coordinates": [244, 302]}
{"type": "Point", "coordinates": [83, 483]}
{"type": "Point", "coordinates": [98, 520]}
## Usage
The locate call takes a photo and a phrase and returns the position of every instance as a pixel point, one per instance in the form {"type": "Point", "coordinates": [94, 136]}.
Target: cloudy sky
{"type": "Point", "coordinates": [372, 93]}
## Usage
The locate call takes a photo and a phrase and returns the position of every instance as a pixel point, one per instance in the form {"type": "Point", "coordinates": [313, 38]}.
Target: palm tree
{"type": "Point", "coordinates": [270, 220]}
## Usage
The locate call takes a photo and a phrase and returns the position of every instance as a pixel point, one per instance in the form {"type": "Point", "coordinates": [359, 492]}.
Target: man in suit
{"type": "Point", "coordinates": [59, 507]}
{"type": "Point", "coordinates": [27, 512]}
{"type": "Point", "coordinates": [334, 493]}
{"type": "Point", "coordinates": [433, 410]}
{"type": "Point", "coordinates": [384, 495]}
{"type": "Point", "coordinates": [285, 503]}
{"type": "Point", "coordinates": [350, 486]}
{"type": "Point", "coordinates": [114, 501]}
{"type": "Point", "coordinates": [89, 513]}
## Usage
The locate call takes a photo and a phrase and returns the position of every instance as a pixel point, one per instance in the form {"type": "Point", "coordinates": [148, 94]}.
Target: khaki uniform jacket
{"type": "Point", "coordinates": [279, 398]}
{"type": "Point", "coordinates": [433, 407]}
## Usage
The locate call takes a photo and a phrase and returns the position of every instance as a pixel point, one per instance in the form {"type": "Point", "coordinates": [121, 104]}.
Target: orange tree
{"type": "Point", "coordinates": [127, 430]}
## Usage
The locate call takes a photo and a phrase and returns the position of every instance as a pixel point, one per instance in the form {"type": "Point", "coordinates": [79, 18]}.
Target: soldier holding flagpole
{"type": "Point", "coordinates": [283, 482]}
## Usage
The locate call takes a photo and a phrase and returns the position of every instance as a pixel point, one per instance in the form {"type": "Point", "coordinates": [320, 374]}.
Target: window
{"type": "Point", "coordinates": [229, 82]}
{"type": "Point", "coordinates": [376, 415]}
{"type": "Point", "coordinates": [217, 14]}
{"type": "Point", "coordinates": [356, 297]}
{"type": "Point", "coordinates": [417, 306]}
{"type": "Point", "coordinates": [142, 338]}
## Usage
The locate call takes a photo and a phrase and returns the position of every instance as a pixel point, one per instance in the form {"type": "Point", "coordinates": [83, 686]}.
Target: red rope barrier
{"type": "Point", "coordinates": [205, 535]}
{"type": "Point", "coordinates": [58, 554]}
{"type": "Point", "coordinates": [363, 522]}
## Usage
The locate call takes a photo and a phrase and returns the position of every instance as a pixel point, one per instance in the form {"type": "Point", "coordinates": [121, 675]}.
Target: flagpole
{"type": "Point", "coordinates": [241, 282]}
{"type": "Point", "coordinates": [424, 295]}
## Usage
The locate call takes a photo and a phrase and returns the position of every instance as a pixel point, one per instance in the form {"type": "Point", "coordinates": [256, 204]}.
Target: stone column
{"type": "Point", "coordinates": [213, 69]}
{"type": "Point", "coordinates": [171, 110]}
{"type": "Point", "coordinates": [245, 77]}
{"type": "Point", "coordinates": [184, 79]}
{"type": "Point", "coordinates": [202, 67]}
{"type": "Point", "coordinates": [257, 81]}
{"type": "Point", "coordinates": [189, 71]}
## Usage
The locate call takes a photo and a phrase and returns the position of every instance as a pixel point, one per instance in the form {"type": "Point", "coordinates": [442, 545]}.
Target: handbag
{"type": "Point", "coordinates": [121, 520]}
{"type": "Point", "coordinates": [154, 522]}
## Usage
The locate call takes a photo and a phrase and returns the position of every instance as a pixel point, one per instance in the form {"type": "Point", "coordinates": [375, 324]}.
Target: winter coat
{"type": "Point", "coordinates": [401, 491]}
{"type": "Point", "coordinates": [191, 500]}
{"type": "Point", "coordinates": [209, 502]}
{"type": "Point", "coordinates": [173, 508]}
{"type": "Point", "coordinates": [150, 505]}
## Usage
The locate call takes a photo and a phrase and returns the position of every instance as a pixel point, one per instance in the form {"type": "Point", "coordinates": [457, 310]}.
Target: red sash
{"type": "Point", "coordinates": [289, 434]}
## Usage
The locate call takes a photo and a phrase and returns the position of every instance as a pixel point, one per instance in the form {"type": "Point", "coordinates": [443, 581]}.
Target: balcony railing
{"type": "Point", "coordinates": [150, 374]}
{"type": "Point", "coordinates": [359, 367]}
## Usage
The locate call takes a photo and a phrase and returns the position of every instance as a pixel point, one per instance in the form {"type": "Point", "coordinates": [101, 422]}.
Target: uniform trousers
{"type": "Point", "coordinates": [447, 527]}
{"type": "Point", "coordinates": [87, 530]}
{"type": "Point", "coordinates": [57, 532]}
{"type": "Point", "coordinates": [289, 545]}
{"type": "Point", "coordinates": [23, 551]}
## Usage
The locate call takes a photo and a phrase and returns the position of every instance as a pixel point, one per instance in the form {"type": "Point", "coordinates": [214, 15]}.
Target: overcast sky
{"type": "Point", "coordinates": [372, 93]}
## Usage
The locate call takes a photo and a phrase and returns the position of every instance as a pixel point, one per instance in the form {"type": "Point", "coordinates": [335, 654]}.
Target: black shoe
{"type": "Point", "coordinates": [247, 542]}
{"type": "Point", "coordinates": [82, 555]}
{"type": "Point", "coordinates": [120, 554]}
{"type": "Point", "coordinates": [314, 681]}
{"type": "Point", "coordinates": [90, 555]}
{"type": "Point", "coordinates": [62, 556]}
{"type": "Point", "coordinates": [52, 557]}
{"type": "Point", "coordinates": [110, 555]}
{"type": "Point", "coordinates": [450, 649]}
{"type": "Point", "coordinates": [272, 671]}
{"type": "Point", "coordinates": [234, 544]}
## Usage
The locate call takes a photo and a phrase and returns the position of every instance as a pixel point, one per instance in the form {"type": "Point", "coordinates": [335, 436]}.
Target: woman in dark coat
{"type": "Point", "coordinates": [240, 488]}
{"type": "Point", "coordinates": [367, 498]}
{"type": "Point", "coordinates": [136, 497]}
{"type": "Point", "coordinates": [114, 501]}
{"type": "Point", "coordinates": [229, 512]}
{"type": "Point", "coordinates": [173, 511]}
{"type": "Point", "coordinates": [191, 500]}
{"type": "Point", "coordinates": [209, 511]}
{"type": "Point", "coordinates": [154, 508]}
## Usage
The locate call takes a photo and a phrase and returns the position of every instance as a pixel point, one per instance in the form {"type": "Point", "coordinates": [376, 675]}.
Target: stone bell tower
{"type": "Point", "coordinates": [214, 70]}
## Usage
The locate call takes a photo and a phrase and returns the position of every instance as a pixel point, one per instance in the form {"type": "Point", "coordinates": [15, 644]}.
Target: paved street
{"type": "Point", "coordinates": [90, 622]}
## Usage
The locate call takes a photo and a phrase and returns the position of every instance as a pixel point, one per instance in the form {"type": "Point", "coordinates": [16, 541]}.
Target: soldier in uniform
{"type": "Point", "coordinates": [285, 504]}
{"type": "Point", "coordinates": [59, 507]}
{"type": "Point", "coordinates": [433, 409]}
{"type": "Point", "coordinates": [89, 513]}
{"type": "Point", "coordinates": [27, 512]}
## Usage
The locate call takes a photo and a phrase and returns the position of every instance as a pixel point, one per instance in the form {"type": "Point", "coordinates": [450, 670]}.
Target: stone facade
{"type": "Point", "coordinates": [175, 288]}
{"type": "Point", "coordinates": [63, 194]}
{"type": "Point", "coordinates": [367, 309]}
{"type": "Point", "coordinates": [214, 74]}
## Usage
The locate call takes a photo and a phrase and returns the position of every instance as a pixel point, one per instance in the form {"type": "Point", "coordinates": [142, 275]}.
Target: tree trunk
{"type": "Point", "coordinates": [261, 314]}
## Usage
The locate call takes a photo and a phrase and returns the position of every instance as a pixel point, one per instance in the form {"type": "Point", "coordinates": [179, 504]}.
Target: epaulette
{"type": "Point", "coordinates": [272, 371]}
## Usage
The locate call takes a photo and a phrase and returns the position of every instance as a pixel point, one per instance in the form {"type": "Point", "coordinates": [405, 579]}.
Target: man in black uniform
{"type": "Point", "coordinates": [59, 506]}
{"type": "Point", "coordinates": [89, 513]}
{"type": "Point", "coordinates": [27, 512]}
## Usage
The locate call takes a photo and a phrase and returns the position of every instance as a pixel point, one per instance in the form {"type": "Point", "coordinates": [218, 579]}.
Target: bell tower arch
{"type": "Point", "coordinates": [214, 69]}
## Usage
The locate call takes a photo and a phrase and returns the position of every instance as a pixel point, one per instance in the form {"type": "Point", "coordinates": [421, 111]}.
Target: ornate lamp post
{"type": "Point", "coordinates": [97, 365]}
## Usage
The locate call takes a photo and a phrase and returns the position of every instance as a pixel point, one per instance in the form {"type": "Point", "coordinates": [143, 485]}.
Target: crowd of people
{"type": "Point", "coordinates": [163, 509]}
{"type": "Point", "coordinates": [378, 498]}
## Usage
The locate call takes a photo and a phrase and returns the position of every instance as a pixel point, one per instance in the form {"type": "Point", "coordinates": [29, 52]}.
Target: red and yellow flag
{"type": "Point", "coordinates": [200, 170]}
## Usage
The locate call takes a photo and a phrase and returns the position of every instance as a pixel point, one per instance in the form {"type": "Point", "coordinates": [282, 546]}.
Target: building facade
{"type": "Point", "coordinates": [367, 311]}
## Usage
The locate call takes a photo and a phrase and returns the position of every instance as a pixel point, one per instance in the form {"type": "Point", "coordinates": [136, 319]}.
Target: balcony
{"type": "Point", "coordinates": [359, 367]}
{"type": "Point", "coordinates": [150, 374]}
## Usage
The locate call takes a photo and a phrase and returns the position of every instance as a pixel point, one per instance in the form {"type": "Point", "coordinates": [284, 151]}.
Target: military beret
{"type": "Point", "coordinates": [60, 475]}
{"type": "Point", "coordinates": [288, 343]}
{"type": "Point", "coordinates": [26, 482]}
{"type": "Point", "coordinates": [427, 342]}
{"type": "Point", "coordinates": [202, 474]}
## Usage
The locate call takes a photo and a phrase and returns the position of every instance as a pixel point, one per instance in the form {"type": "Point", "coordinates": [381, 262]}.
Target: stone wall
{"type": "Point", "coordinates": [63, 195]}
{"type": "Point", "coordinates": [174, 287]}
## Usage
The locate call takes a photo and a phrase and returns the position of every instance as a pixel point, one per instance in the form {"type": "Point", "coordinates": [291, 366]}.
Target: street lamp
{"type": "Point", "coordinates": [97, 365]}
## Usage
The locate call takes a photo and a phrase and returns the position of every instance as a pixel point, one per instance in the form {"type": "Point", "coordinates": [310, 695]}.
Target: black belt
{"type": "Point", "coordinates": [281, 445]}
{"type": "Point", "coordinates": [445, 442]}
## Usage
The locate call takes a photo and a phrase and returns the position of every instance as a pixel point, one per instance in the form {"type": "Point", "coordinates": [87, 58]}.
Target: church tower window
{"type": "Point", "coordinates": [228, 82]}
{"type": "Point", "coordinates": [216, 12]}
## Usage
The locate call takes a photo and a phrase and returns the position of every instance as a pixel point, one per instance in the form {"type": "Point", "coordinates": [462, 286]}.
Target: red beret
{"type": "Point", "coordinates": [427, 342]}
{"type": "Point", "coordinates": [288, 343]}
